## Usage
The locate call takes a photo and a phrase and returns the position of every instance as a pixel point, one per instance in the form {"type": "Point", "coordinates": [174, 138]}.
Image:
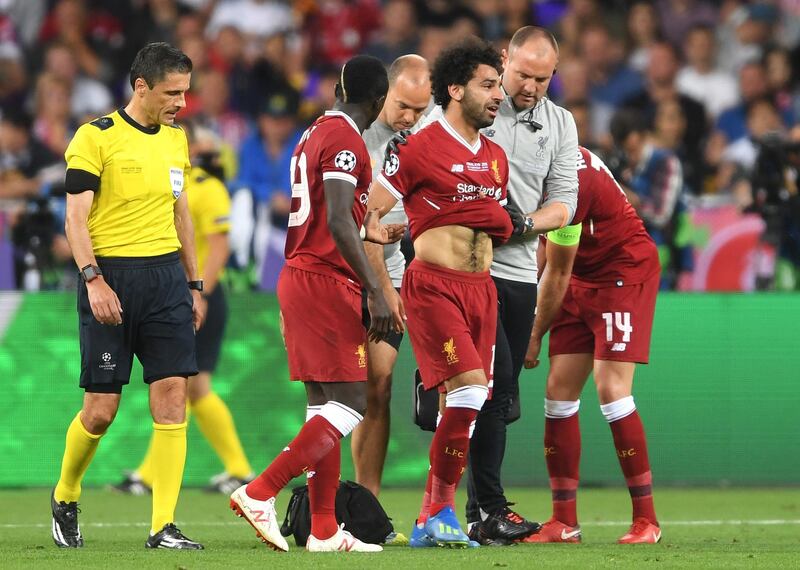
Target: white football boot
{"type": "Point", "coordinates": [342, 541]}
{"type": "Point", "coordinates": [262, 516]}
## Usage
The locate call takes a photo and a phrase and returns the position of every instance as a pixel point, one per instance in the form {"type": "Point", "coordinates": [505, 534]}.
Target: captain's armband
{"type": "Point", "coordinates": [566, 236]}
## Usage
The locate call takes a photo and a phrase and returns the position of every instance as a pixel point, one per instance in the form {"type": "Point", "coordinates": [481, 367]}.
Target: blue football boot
{"type": "Point", "coordinates": [419, 538]}
{"type": "Point", "coordinates": [445, 530]}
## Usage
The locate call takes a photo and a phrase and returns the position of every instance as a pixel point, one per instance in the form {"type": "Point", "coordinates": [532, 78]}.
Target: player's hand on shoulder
{"type": "Point", "coordinates": [104, 302]}
{"type": "Point", "coordinates": [381, 233]}
{"type": "Point", "coordinates": [381, 317]}
{"type": "Point", "coordinates": [393, 146]}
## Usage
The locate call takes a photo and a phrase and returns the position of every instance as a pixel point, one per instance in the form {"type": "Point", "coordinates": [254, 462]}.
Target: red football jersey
{"type": "Point", "coordinates": [445, 181]}
{"type": "Point", "coordinates": [615, 249]}
{"type": "Point", "coordinates": [331, 148]}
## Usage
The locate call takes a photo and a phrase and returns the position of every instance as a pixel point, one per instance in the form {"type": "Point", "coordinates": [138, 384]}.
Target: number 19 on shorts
{"type": "Point", "coordinates": [622, 322]}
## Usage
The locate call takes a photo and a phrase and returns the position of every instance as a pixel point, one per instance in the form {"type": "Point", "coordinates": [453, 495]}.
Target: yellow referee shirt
{"type": "Point", "coordinates": [137, 173]}
{"type": "Point", "coordinates": [210, 208]}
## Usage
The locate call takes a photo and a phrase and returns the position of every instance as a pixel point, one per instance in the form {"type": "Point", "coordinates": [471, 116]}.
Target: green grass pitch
{"type": "Point", "coordinates": [703, 528]}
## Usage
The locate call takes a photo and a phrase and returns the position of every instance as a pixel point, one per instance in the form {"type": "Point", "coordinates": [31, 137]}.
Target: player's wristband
{"type": "Point", "coordinates": [362, 233]}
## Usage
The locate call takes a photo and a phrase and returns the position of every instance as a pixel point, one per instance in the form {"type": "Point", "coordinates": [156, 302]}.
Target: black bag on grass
{"type": "Point", "coordinates": [356, 507]}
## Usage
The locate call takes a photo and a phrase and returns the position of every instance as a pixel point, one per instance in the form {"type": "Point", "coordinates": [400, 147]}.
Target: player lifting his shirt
{"type": "Point", "coordinates": [319, 291]}
{"type": "Point", "coordinates": [454, 201]}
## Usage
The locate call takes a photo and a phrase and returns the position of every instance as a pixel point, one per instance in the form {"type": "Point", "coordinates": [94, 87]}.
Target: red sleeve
{"type": "Point", "coordinates": [397, 175]}
{"type": "Point", "coordinates": [342, 156]}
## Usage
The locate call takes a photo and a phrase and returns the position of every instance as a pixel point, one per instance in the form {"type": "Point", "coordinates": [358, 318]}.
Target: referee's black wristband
{"type": "Point", "coordinates": [196, 285]}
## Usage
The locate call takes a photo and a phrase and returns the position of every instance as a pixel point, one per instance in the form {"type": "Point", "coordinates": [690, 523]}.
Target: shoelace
{"type": "Point", "coordinates": [513, 517]}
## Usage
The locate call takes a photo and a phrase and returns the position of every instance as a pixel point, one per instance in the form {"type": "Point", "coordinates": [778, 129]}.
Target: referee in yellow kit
{"type": "Point", "coordinates": [131, 235]}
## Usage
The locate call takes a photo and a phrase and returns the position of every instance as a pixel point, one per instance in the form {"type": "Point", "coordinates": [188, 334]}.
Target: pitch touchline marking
{"type": "Point", "coordinates": [762, 522]}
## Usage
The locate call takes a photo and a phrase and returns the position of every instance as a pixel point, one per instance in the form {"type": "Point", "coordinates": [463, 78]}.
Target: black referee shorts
{"type": "Point", "coordinates": [395, 338]}
{"type": "Point", "coordinates": [156, 324]}
{"type": "Point", "coordinates": [209, 337]}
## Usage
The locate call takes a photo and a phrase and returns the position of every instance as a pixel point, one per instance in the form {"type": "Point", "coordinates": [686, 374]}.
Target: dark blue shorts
{"type": "Point", "coordinates": [156, 324]}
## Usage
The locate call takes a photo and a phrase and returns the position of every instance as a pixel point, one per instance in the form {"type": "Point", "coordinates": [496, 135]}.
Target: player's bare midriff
{"type": "Point", "coordinates": [455, 247]}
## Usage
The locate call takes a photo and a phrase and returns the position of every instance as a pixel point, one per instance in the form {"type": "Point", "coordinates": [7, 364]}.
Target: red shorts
{"type": "Point", "coordinates": [613, 323]}
{"type": "Point", "coordinates": [325, 340]}
{"type": "Point", "coordinates": [452, 321]}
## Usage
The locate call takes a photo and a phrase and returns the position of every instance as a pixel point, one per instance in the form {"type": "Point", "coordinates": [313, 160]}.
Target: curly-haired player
{"type": "Point", "coordinates": [454, 201]}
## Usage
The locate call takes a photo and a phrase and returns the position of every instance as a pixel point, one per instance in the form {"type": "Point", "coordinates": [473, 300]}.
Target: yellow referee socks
{"type": "Point", "coordinates": [145, 470]}
{"type": "Point", "coordinates": [168, 451]}
{"type": "Point", "coordinates": [78, 453]}
{"type": "Point", "coordinates": [216, 423]}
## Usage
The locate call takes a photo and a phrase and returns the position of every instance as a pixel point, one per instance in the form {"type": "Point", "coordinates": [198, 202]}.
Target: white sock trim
{"type": "Point", "coordinates": [472, 397]}
{"type": "Point", "coordinates": [312, 411]}
{"type": "Point", "coordinates": [557, 409]}
{"type": "Point", "coordinates": [341, 417]}
{"type": "Point", "coordinates": [618, 409]}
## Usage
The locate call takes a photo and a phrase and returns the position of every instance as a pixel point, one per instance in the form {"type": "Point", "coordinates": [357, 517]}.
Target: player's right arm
{"type": "Point", "coordinates": [339, 201]}
{"type": "Point", "coordinates": [84, 167]}
{"type": "Point", "coordinates": [562, 245]}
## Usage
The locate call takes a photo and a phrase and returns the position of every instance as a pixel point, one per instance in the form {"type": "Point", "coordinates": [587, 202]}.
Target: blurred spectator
{"type": "Point", "coordinates": [95, 37]}
{"type": "Point", "coordinates": [578, 18]}
{"type": "Point", "coordinates": [701, 79]}
{"type": "Point", "coordinates": [215, 112]}
{"type": "Point", "coordinates": [339, 29]}
{"type": "Point", "coordinates": [265, 155]}
{"type": "Point", "coordinates": [643, 32]}
{"type": "Point", "coordinates": [660, 87]}
{"type": "Point", "coordinates": [27, 16]}
{"type": "Point", "coordinates": [398, 36]}
{"type": "Point", "coordinates": [255, 19]}
{"type": "Point", "coordinates": [53, 125]}
{"type": "Point", "coordinates": [778, 66]}
{"type": "Point", "coordinates": [443, 13]}
{"type": "Point", "coordinates": [611, 81]}
{"type": "Point", "coordinates": [753, 84]}
{"type": "Point", "coordinates": [763, 120]}
{"type": "Point", "coordinates": [433, 39]}
{"type": "Point", "coordinates": [679, 16]}
{"type": "Point", "coordinates": [156, 21]}
{"type": "Point", "coordinates": [653, 180]}
{"type": "Point", "coordinates": [90, 98]}
{"type": "Point", "coordinates": [26, 166]}
{"type": "Point", "coordinates": [745, 33]}
{"type": "Point", "coordinates": [13, 79]}
{"type": "Point", "coordinates": [581, 112]}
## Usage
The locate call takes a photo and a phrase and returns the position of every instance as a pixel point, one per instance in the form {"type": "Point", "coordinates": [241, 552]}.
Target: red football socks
{"type": "Point", "coordinates": [322, 487]}
{"type": "Point", "coordinates": [424, 512]}
{"type": "Point", "coordinates": [631, 444]}
{"type": "Point", "coordinates": [448, 456]}
{"type": "Point", "coordinates": [562, 451]}
{"type": "Point", "coordinates": [316, 439]}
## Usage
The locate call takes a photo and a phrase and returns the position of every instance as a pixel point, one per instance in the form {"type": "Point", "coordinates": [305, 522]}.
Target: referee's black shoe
{"type": "Point", "coordinates": [171, 537]}
{"type": "Point", "coordinates": [504, 526]}
{"type": "Point", "coordinates": [66, 530]}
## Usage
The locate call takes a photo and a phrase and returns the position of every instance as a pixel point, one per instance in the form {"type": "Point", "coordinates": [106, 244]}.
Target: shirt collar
{"type": "Point", "coordinates": [346, 117]}
{"type": "Point", "coordinates": [473, 148]}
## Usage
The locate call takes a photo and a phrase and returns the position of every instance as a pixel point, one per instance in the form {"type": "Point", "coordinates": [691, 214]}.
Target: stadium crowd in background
{"type": "Point", "coordinates": [714, 84]}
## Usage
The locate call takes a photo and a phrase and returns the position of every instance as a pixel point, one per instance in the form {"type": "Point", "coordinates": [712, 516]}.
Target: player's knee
{"type": "Point", "coordinates": [618, 409]}
{"type": "Point", "coordinates": [97, 420]}
{"type": "Point", "coordinates": [379, 395]}
{"type": "Point", "coordinates": [341, 416]}
{"type": "Point", "coordinates": [472, 396]}
{"type": "Point", "coordinates": [560, 409]}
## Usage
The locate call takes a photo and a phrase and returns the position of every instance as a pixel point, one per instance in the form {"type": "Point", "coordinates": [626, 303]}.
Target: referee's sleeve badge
{"type": "Point", "coordinates": [176, 180]}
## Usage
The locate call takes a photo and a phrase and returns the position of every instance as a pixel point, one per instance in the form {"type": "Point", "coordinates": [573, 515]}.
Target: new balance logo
{"type": "Point", "coordinates": [619, 347]}
{"type": "Point", "coordinates": [457, 168]}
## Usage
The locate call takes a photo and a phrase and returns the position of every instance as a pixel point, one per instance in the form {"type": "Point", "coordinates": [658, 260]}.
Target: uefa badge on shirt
{"type": "Point", "coordinates": [176, 181]}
